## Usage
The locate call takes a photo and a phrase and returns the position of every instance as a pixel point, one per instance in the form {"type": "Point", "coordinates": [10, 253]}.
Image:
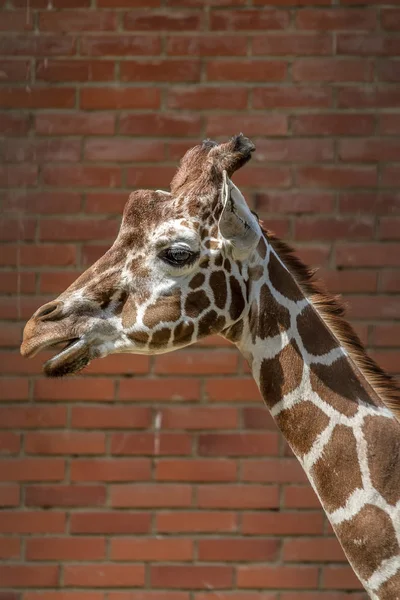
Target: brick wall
{"type": "Point", "coordinates": [166, 474]}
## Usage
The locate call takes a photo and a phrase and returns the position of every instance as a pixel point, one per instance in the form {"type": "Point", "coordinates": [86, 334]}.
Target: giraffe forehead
{"type": "Point", "coordinates": [177, 230]}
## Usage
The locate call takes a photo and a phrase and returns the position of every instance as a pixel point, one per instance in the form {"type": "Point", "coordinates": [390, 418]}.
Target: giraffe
{"type": "Point", "coordinates": [196, 261]}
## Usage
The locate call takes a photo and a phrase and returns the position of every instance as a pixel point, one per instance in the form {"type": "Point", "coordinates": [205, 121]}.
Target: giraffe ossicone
{"type": "Point", "coordinates": [195, 261]}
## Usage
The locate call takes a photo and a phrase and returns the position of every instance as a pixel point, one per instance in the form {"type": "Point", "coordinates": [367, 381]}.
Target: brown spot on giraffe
{"type": "Point", "coordinates": [337, 473]}
{"type": "Point", "coordinates": [197, 281]}
{"type": "Point", "coordinates": [382, 433]}
{"type": "Point", "coordinates": [210, 323]}
{"type": "Point", "coordinates": [219, 288]}
{"type": "Point", "coordinates": [262, 248]}
{"type": "Point", "coordinates": [219, 259]}
{"type": "Point", "coordinates": [227, 265]}
{"type": "Point", "coordinates": [237, 300]}
{"type": "Point", "coordinates": [368, 539]}
{"type": "Point", "coordinates": [390, 590]}
{"type": "Point", "coordinates": [160, 338]}
{"type": "Point", "coordinates": [196, 303]}
{"type": "Point", "coordinates": [256, 272]}
{"type": "Point", "coordinates": [129, 312]}
{"type": "Point", "coordinates": [272, 318]}
{"type": "Point", "coordinates": [301, 425]}
{"type": "Point", "coordinates": [166, 308]}
{"type": "Point", "coordinates": [282, 374]}
{"type": "Point", "coordinates": [183, 332]}
{"type": "Point", "coordinates": [282, 280]}
{"type": "Point", "coordinates": [234, 333]}
{"type": "Point", "coordinates": [338, 385]}
{"type": "Point", "coordinates": [139, 337]}
{"type": "Point", "coordinates": [316, 339]}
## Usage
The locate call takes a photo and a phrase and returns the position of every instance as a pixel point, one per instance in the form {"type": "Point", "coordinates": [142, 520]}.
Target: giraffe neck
{"type": "Point", "coordinates": [346, 439]}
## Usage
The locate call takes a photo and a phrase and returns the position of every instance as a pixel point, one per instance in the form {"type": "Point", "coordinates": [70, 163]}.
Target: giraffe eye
{"type": "Point", "coordinates": [178, 256]}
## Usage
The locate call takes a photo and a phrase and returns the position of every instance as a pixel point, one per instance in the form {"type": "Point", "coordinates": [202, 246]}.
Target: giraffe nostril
{"type": "Point", "coordinates": [49, 311]}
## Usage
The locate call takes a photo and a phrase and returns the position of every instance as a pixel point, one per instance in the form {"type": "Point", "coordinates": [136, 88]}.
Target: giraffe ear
{"type": "Point", "coordinates": [237, 224]}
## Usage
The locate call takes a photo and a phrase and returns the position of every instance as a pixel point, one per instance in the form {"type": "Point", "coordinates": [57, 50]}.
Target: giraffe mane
{"type": "Point", "coordinates": [332, 311]}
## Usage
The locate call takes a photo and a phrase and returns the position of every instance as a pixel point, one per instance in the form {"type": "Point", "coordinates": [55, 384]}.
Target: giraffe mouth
{"type": "Point", "coordinates": [74, 356]}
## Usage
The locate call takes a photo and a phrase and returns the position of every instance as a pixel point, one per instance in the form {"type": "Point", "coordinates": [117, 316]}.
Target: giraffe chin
{"type": "Point", "coordinates": [69, 361]}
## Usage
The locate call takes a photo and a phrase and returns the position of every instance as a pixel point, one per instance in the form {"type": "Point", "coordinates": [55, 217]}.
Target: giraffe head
{"type": "Point", "coordinates": [173, 275]}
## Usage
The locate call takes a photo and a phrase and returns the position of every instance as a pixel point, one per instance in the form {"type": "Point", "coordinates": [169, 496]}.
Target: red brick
{"type": "Point", "coordinates": [55, 3]}
{"type": "Point", "coordinates": [154, 550]}
{"type": "Point", "coordinates": [273, 577]}
{"type": "Point", "coordinates": [239, 20]}
{"type": "Point", "coordinates": [391, 176]}
{"type": "Point", "coordinates": [313, 550]}
{"type": "Point", "coordinates": [37, 97]}
{"type": "Point", "coordinates": [30, 417]}
{"type": "Point", "coordinates": [164, 124]}
{"type": "Point", "coordinates": [283, 523]}
{"type": "Point", "coordinates": [367, 45]}
{"type": "Point", "coordinates": [195, 470]}
{"type": "Point", "coordinates": [77, 21]}
{"type": "Point", "coordinates": [42, 150]}
{"type": "Point", "coordinates": [56, 282]}
{"type": "Point", "coordinates": [257, 418]}
{"type": "Point", "coordinates": [108, 469]}
{"type": "Point", "coordinates": [32, 469]}
{"type": "Point", "coordinates": [273, 176]}
{"type": "Point", "coordinates": [295, 150]}
{"type": "Point", "coordinates": [66, 230]}
{"type": "Point", "coordinates": [124, 150]}
{"type": "Point", "coordinates": [37, 45]}
{"type": "Point", "coordinates": [331, 19]}
{"type": "Point", "coordinates": [22, 229]}
{"type": "Point", "coordinates": [15, 70]}
{"type": "Point", "coordinates": [388, 360]}
{"type": "Point", "coordinates": [238, 444]}
{"type": "Point", "coordinates": [369, 150]}
{"type": "Point", "coordinates": [389, 124]}
{"type": "Point", "coordinates": [65, 442]}
{"type": "Point", "coordinates": [9, 443]}
{"type": "Point", "coordinates": [29, 521]}
{"type": "Point", "coordinates": [75, 70]}
{"type": "Point", "coordinates": [196, 522]}
{"type": "Point", "coordinates": [293, 97]}
{"type": "Point", "coordinates": [104, 575]}
{"type": "Point", "coordinates": [376, 97]}
{"type": "Point", "coordinates": [81, 175]}
{"type": "Point", "coordinates": [232, 390]}
{"type": "Point", "coordinates": [273, 471]}
{"type": "Point", "coordinates": [53, 548]}
{"type": "Point", "coordinates": [14, 123]}
{"type": "Point", "coordinates": [18, 175]}
{"type": "Point", "coordinates": [333, 176]}
{"type": "Point", "coordinates": [165, 389]}
{"type": "Point", "coordinates": [170, 70]}
{"type": "Point", "coordinates": [294, 202]}
{"type": "Point", "coordinates": [206, 45]}
{"type": "Point", "coordinates": [333, 228]}
{"type": "Point", "coordinates": [390, 18]}
{"type": "Point", "coordinates": [370, 202]}
{"type": "Point", "coordinates": [282, 44]}
{"type": "Point", "coordinates": [16, 20]}
{"type": "Point", "coordinates": [145, 595]}
{"type": "Point", "coordinates": [373, 307]}
{"type": "Point", "coordinates": [153, 177]}
{"type": "Point", "coordinates": [246, 70]}
{"type": "Point", "coordinates": [120, 45]}
{"type": "Point", "coordinates": [63, 595]}
{"type": "Point", "coordinates": [389, 228]}
{"type": "Point", "coordinates": [350, 281]}
{"type": "Point", "coordinates": [196, 362]}
{"type": "Point", "coordinates": [9, 496]}
{"type": "Point", "coordinates": [207, 97]}
{"type": "Point", "coordinates": [163, 20]}
{"type": "Point", "coordinates": [372, 254]}
{"type": "Point", "coordinates": [199, 418]}
{"type": "Point", "coordinates": [333, 124]}
{"type": "Point", "coordinates": [110, 522]}
{"type": "Point", "coordinates": [119, 98]}
{"type": "Point", "coordinates": [29, 576]}
{"type": "Point", "coordinates": [14, 389]}
{"type": "Point", "coordinates": [150, 443]}
{"type": "Point", "coordinates": [11, 282]}
{"type": "Point", "coordinates": [191, 577]}
{"type": "Point", "coordinates": [340, 578]}
{"type": "Point", "coordinates": [390, 280]}
{"type": "Point", "coordinates": [10, 335]}
{"type": "Point", "coordinates": [110, 417]}
{"type": "Point", "coordinates": [237, 496]}
{"type": "Point", "coordinates": [151, 496]}
{"type": "Point", "coordinates": [47, 496]}
{"type": "Point", "coordinates": [385, 335]}
{"type": "Point", "coordinates": [235, 550]}
{"type": "Point", "coordinates": [253, 125]}
{"type": "Point", "coordinates": [42, 202]}
{"type": "Point", "coordinates": [9, 548]}
{"type": "Point", "coordinates": [106, 202]}
{"type": "Point", "coordinates": [328, 69]}
{"type": "Point", "coordinates": [388, 70]}
{"type": "Point", "coordinates": [74, 124]}
{"type": "Point", "coordinates": [300, 496]}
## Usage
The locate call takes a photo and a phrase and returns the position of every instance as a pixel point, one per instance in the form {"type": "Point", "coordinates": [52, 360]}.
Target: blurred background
{"type": "Point", "coordinates": [165, 478]}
